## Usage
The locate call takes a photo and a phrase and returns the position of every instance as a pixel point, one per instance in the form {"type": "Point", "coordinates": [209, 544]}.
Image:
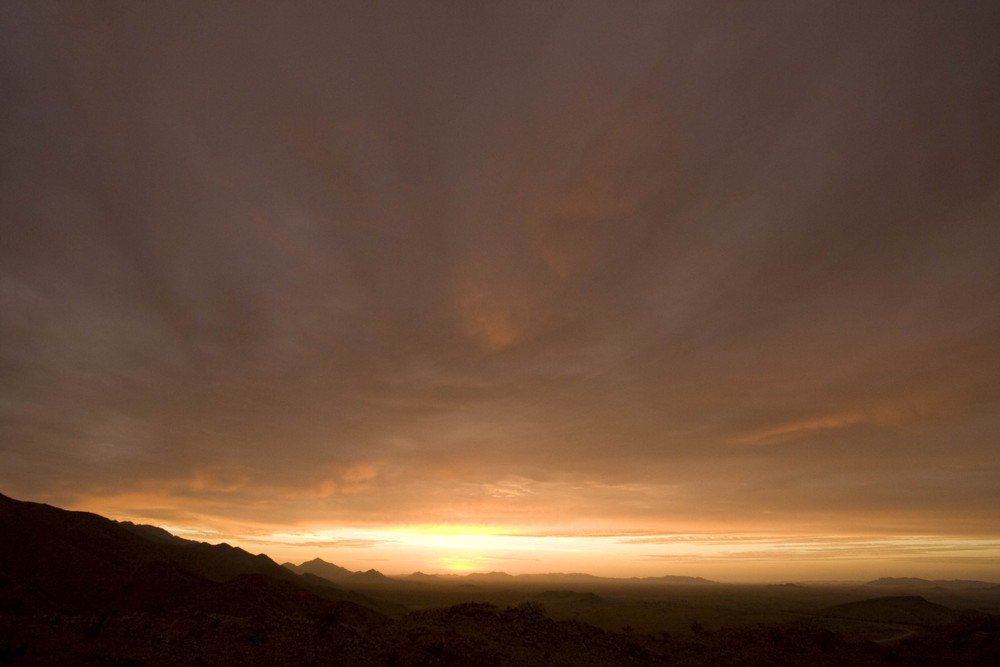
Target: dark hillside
{"type": "Point", "coordinates": [76, 588]}
{"type": "Point", "coordinates": [906, 609]}
{"type": "Point", "coordinates": [77, 562]}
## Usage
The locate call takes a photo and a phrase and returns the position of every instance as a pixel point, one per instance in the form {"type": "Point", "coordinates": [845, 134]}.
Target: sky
{"type": "Point", "coordinates": [632, 288]}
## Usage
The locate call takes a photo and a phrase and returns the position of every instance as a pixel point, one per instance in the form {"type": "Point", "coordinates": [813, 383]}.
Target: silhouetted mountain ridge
{"type": "Point", "coordinates": [493, 578]}
{"type": "Point", "coordinates": [82, 562]}
{"type": "Point", "coordinates": [347, 578]}
{"type": "Point", "coordinates": [320, 568]}
{"type": "Point", "coordinates": [371, 576]}
{"type": "Point", "coordinates": [153, 533]}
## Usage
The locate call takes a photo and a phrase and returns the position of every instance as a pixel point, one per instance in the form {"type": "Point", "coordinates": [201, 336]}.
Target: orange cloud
{"type": "Point", "coordinates": [218, 479]}
{"type": "Point", "coordinates": [488, 318]}
{"type": "Point", "coordinates": [575, 219]}
{"type": "Point", "coordinates": [783, 432]}
{"type": "Point", "coordinates": [897, 414]}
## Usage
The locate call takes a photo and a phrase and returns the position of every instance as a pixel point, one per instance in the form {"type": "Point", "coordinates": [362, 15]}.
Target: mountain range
{"type": "Point", "coordinates": [78, 588]}
{"type": "Point", "coordinates": [348, 578]}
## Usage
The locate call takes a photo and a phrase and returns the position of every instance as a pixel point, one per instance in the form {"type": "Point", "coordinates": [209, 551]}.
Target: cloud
{"type": "Point", "coordinates": [583, 268]}
{"type": "Point", "coordinates": [846, 548]}
{"type": "Point", "coordinates": [325, 544]}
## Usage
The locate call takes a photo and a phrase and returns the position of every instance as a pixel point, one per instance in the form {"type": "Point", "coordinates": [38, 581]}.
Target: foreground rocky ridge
{"type": "Point", "coordinates": [466, 634]}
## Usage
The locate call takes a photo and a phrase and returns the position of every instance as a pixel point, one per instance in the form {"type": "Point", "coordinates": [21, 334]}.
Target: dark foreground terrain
{"type": "Point", "coordinates": [78, 589]}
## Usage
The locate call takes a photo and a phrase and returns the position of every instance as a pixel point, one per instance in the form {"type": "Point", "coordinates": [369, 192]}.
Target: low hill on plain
{"type": "Point", "coordinates": [905, 609]}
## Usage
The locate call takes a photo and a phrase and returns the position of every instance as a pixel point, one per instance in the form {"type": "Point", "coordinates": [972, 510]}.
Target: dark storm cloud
{"type": "Point", "coordinates": [637, 262]}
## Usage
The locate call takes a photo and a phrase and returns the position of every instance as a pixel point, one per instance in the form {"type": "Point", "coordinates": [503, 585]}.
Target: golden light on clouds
{"type": "Point", "coordinates": [721, 551]}
{"type": "Point", "coordinates": [724, 556]}
{"type": "Point", "coordinates": [462, 565]}
{"type": "Point", "coordinates": [623, 288]}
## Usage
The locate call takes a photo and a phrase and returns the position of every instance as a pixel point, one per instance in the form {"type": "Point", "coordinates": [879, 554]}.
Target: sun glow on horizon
{"type": "Point", "coordinates": [463, 549]}
{"type": "Point", "coordinates": [629, 551]}
{"type": "Point", "coordinates": [460, 565]}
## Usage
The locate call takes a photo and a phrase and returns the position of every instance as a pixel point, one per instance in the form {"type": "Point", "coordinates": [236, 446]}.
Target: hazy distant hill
{"type": "Point", "coordinates": [374, 579]}
{"type": "Point", "coordinates": [673, 580]}
{"type": "Point", "coordinates": [562, 578]}
{"type": "Point", "coordinates": [371, 578]}
{"type": "Point", "coordinates": [916, 583]}
{"type": "Point", "coordinates": [421, 577]}
{"type": "Point", "coordinates": [488, 578]}
{"type": "Point", "coordinates": [576, 578]}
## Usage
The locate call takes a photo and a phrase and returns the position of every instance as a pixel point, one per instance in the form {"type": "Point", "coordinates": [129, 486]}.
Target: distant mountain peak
{"type": "Point", "coordinates": [321, 568]}
{"type": "Point", "coordinates": [317, 561]}
{"type": "Point", "coordinates": [369, 575]}
{"type": "Point", "coordinates": [897, 580]}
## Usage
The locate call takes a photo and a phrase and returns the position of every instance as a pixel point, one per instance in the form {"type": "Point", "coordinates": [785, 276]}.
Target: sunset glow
{"type": "Point", "coordinates": [721, 555]}
{"type": "Point", "coordinates": [630, 289]}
